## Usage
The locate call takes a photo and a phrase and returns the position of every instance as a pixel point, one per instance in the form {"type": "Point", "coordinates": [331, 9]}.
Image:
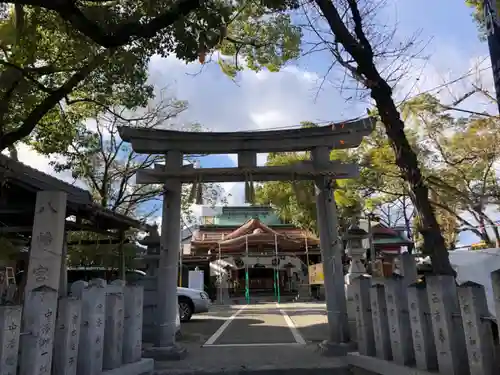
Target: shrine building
{"type": "Point", "coordinates": [253, 239]}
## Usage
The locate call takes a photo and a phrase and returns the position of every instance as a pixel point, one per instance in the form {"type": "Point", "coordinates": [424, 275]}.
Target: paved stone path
{"type": "Point", "coordinates": [263, 338]}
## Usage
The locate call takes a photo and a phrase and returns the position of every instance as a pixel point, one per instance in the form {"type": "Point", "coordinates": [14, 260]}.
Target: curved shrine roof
{"type": "Point", "coordinates": [256, 233]}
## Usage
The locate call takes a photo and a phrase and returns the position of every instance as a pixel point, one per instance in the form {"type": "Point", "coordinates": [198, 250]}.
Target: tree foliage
{"type": "Point", "coordinates": [295, 203]}
{"type": "Point", "coordinates": [478, 14]}
{"type": "Point", "coordinates": [107, 166]}
{"type": "Point", "coordinates": [458, 156]}
{"type": "Point", "coordinates": [463, 178]}
{"type": "Point", "coordinates": [60, 60]}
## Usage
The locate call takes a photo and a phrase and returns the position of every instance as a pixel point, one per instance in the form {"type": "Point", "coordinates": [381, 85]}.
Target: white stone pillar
{"type": "Point", "coordinates": [39, 322]}
{"type": "Point", "coordinates": [331, 252]}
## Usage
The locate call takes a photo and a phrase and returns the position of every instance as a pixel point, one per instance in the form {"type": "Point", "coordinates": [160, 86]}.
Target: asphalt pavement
{"type": "Point", "coordinates": [269, 323]}
{"type": "Point", "coordinates": [255, 338]}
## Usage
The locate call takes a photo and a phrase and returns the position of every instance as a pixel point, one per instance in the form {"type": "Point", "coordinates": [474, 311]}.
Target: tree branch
{"type": "Point", "coordinates": [50, 101]}
{"type": "Point", "coordinates": [124, 33]}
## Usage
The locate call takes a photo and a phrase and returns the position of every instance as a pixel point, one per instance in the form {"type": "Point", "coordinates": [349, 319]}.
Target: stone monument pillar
{"type": "Point", "coordinates": [165, 346]}
{"type": "Point", "coordinates": [42, 283]}
{"type": "Point", "coordinates": [331, 253]}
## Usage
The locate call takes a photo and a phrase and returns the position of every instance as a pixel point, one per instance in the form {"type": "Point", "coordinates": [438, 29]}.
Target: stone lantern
{"type": "Point", "coordinates": [356, 251]}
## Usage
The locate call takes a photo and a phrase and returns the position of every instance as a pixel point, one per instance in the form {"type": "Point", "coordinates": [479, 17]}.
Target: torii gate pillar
{"type": "Point", "coordinates": [165, 346]}
{"type": "Point", "coordinates": [331, 252]}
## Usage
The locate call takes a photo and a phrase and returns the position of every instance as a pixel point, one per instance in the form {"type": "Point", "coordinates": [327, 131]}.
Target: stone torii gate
{"type": "Point", "coordinates": [318, 140]}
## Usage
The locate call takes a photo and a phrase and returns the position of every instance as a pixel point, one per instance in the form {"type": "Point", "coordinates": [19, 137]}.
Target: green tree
{"type": "Point", "coordinates": [369, 58]}
{"type": "Point", "coordinates": [60, 60]}
{"type": "Point", "coordinates": [295, 202]}
{"type": "Point", "coordinates": [461, 170]}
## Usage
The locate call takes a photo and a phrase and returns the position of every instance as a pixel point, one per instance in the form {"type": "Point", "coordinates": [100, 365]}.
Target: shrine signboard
{"type": "Point", "coordinates": [316, 276]}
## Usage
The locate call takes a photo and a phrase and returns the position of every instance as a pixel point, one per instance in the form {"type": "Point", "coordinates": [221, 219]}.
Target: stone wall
{"type": "Point", "coordinates": [435, 326]}
{"type": "Point", "coordinates": [96, 330]}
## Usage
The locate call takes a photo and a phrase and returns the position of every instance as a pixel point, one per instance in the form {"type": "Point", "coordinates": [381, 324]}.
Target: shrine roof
{"type": "Point", "coordinates": [209, 227]}
{"type": "Point", "coordinates": [253, 232]}
{"type": "Point", "coordinates": [18, 196]}
{"type": "Point", "coordinates": [390, 241]}
{"type": "Point", "coordinates": [383, 235]}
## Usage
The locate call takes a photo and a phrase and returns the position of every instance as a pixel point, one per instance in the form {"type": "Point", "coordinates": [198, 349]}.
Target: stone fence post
{"type": "Point", "coordinates": [420, 321]}
{"type": "Point", "coordinates": [360, 287]}
{"type": "Point", "coordinates": [93, 297]}
{"type": "Point", "coordinates": [132, 335]}
{"type": "Point", "coordinates": [113, 331]}
{"type": "Point", "coordinates": [447, 325]}
{"type": "Point", "coordinates": [399, 321]}
{"type": "Point", "coordinates": [10, 328]}
{"type": "Point", "coordinates": [380, 323]}
{"type": "Point", "coordinates": [67, 336]}
{"type": "Point", "coordinates": [477, 328]}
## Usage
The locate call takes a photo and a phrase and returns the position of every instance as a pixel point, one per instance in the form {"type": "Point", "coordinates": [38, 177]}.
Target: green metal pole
{"type": "Point", "coordinates": [247, 280]}
{"type": "Point", "coordinates": [277, 277]}
{"type": "Point", "coordinates": [274, 283]}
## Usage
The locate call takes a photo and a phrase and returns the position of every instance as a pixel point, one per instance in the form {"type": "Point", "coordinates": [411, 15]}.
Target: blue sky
{"type": "Point", "coordinates": [266, 100]}
{"type": "Point", "coordinates": [453, 45]}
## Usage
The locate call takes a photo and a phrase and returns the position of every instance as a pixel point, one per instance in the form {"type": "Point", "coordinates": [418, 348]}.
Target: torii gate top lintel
{"type": "Point", "coordinates": [340, 135]}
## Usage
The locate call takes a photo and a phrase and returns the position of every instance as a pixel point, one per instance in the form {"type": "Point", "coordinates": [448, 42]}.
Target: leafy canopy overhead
{"type": "Point", "coordinates": [60, 60]}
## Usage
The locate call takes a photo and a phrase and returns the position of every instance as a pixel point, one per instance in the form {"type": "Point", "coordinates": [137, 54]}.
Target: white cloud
{"type": "Point", "coordinates": [30, 157]}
